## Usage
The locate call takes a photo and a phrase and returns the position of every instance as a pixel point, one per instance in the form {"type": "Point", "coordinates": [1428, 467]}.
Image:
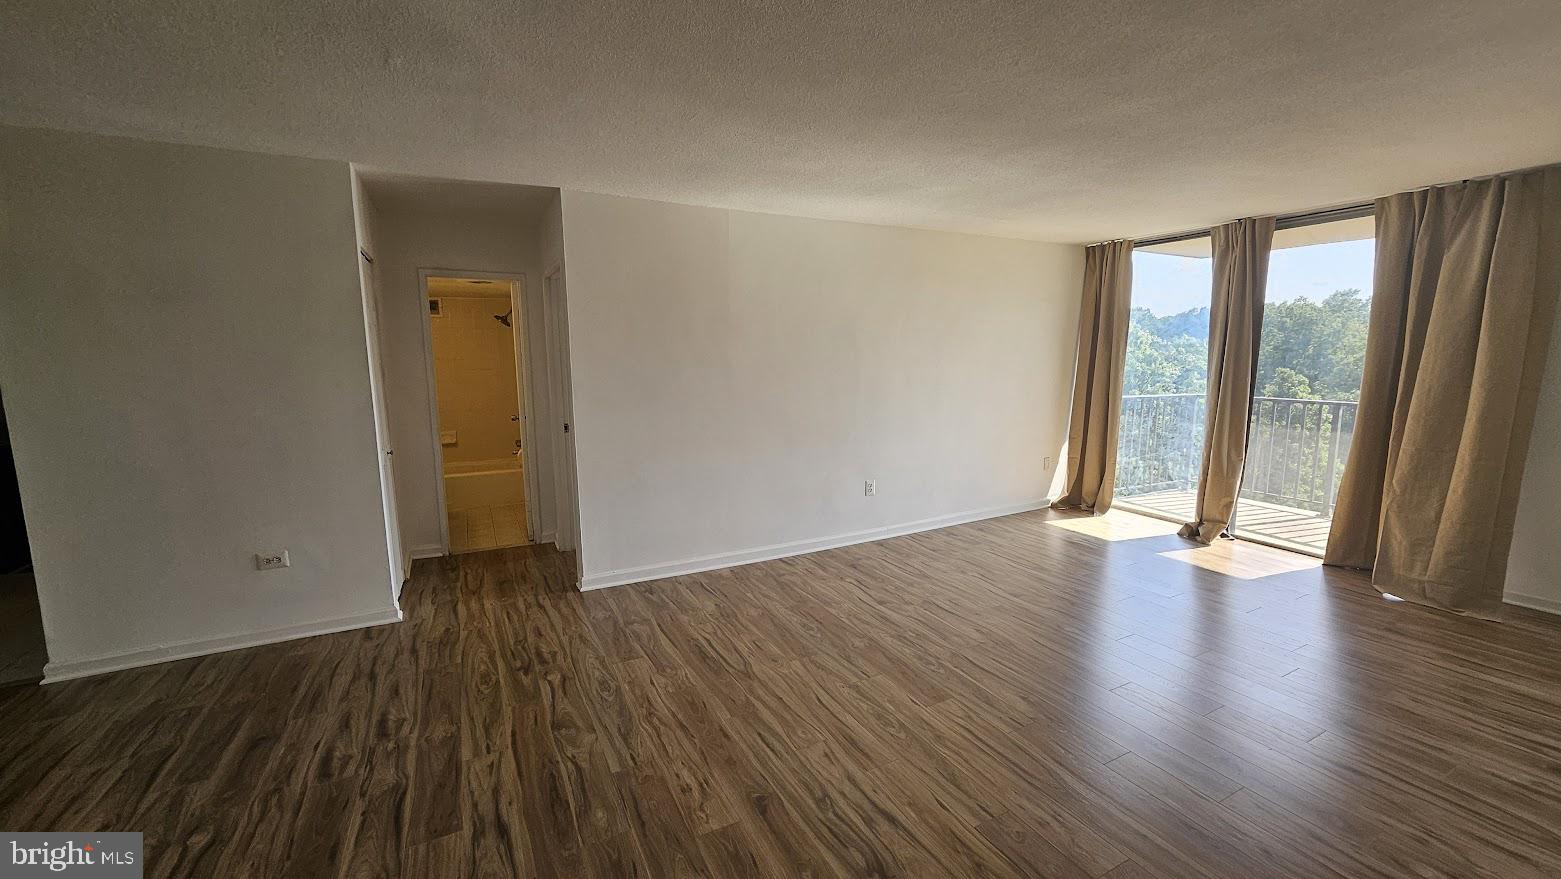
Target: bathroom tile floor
{"type": "Point", "coordinates": [488, 528]}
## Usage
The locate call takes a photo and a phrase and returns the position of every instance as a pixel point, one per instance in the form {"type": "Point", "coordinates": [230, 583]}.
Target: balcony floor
{"type": "Point", "coordinates": [1287, 527]}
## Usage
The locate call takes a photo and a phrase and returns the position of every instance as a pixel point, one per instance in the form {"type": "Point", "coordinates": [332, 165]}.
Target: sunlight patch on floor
{"type": "Point", "coordinates": [1116, 525]}
{"type": "Point", "coordinates": [1244, 561]}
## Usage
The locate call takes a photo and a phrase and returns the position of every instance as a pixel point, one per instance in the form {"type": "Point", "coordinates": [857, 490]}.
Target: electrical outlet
{"type": "Point", "coordinates": [1046, 463]}
{"type": "Point", "coordinates": [270, 561]}
{"type": "Point", "coordinates": [870, 487]}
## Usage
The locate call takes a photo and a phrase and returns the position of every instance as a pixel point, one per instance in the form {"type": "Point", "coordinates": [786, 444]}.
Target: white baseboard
{"type": "Point", "coordinates": [431, 551]}
{"type": "Point", "coordinates": [54, 672]}
{"type": "Point", "coordinates": [1533, 602]}
{"type": "Point", "coordinates": [797, 547]}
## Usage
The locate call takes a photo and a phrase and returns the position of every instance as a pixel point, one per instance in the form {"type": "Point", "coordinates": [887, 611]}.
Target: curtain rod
{"type": "Point", "coordinates": [1286, 221]}
{"type": "Point", "coordinates": [1326, 215]}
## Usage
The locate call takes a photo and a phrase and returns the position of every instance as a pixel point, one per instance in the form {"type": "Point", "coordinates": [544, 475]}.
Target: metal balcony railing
{"type": "Point", "coordinates": [1159, 443]}
{"type": "Point", "coordinates": [1296, 449]}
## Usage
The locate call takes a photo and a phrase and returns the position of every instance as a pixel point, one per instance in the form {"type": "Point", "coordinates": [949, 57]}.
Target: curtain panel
{"type": "Point", "coordinates": [1464, 296]}
{"type": "Point", "coordinates": [1235, 327]}
{"type": "Point", "coordinates": [1097, 380]}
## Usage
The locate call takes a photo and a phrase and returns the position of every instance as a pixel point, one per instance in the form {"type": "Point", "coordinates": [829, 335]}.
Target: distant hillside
{"type": "Point", "coordinates": [1310, 350]}
{"type": "Point", "coordinates": [1193, 323]}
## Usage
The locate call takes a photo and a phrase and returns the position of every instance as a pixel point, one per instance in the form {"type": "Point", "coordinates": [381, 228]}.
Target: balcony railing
{"type": "Point", "coordinates": [1295, 448]}
{"type": "Point", "coordinates": [1159, 444]}
{"type": "Point", "coordinates": [1296, 451]}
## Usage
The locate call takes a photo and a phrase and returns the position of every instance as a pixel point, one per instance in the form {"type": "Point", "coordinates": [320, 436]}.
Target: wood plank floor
{"type": "Point", "coordinates": [1286, 527]}
{"type": "Point", "coordinates": [1038, 695]}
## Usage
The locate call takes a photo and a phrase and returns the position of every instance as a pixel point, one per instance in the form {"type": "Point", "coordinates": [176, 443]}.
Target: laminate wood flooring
{"type": "Point", "coordinates": [1036, 695]}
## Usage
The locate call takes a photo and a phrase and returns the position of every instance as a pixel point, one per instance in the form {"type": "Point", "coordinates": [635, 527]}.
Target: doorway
{"type": "Point", "coordinates": [22, 651]}
{"type": "Point", "coordinates": [479, 407]}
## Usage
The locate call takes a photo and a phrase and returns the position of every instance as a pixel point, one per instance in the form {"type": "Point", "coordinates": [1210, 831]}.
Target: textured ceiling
{"type": "Point", "coordinates": [520, 204]}
{"type": "Point", "coordinates": [1059, 121]}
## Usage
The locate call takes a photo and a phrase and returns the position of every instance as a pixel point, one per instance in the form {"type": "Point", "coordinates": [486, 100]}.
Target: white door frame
{"type": "Point", "coordinates": [520, 319]}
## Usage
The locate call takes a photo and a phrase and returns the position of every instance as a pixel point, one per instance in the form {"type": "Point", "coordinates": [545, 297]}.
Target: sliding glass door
{"type": "Point", "coordinates": [1312, 350]}
{"type": "Point", "coordinates": [1308, 384]}
{"type": "Point", "coordinates": [1160, 443]}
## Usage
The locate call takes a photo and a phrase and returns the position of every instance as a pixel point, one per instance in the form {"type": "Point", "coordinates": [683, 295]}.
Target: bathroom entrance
{"type": "Point", "coordinates": [479, 412]}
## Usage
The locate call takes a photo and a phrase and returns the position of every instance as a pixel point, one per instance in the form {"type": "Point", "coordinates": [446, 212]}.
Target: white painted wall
{"type": "Point", "coordinates": [201, 394]}
{"type": "Point", "coordinates": [410, 240]}
{"type": "Point", "coordinates": [737, 376]}
{"type": "Point", "coordinates": [1534, 567]}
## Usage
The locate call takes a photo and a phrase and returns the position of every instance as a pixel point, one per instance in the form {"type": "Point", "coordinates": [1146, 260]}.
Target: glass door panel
{"type": "Point", "coordinates": [1309, 370]}
{"type": "Point", "coordinates": [1160, 442]}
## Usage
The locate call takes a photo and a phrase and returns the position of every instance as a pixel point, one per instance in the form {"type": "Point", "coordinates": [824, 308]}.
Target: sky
{"type": "Point", "coordinates": [1170, 284]}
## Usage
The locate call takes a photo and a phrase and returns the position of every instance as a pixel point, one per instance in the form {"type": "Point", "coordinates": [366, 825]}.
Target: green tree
{"type": "Point", "coordinates": [1309, 350]}
{"type": "Point", "coordinates": [1322, 343]}
{"type": "Point", "coordinates": [1288, 384]}
{"type": "Point", "coordinates": [1164, 356]}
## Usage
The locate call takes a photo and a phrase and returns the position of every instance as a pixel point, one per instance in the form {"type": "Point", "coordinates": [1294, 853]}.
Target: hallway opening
{"type": "Point", "coordinates": [479, 370]}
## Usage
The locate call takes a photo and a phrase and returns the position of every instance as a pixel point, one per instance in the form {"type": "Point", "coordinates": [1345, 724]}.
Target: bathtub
{"type": "Point", "coordinates": [493, 483]}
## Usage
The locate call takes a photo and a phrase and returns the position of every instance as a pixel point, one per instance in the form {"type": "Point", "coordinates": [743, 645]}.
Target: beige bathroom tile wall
{"type": "Point", "coordinates": [474, 361]}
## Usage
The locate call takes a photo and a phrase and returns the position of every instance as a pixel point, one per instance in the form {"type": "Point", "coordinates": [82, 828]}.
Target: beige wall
{"type": "Point", "coordinates": [474, 364]}
{"type": "Point", "coordinates": [200, 396]}
{"type": "Point", "coordinates": [737, 376]}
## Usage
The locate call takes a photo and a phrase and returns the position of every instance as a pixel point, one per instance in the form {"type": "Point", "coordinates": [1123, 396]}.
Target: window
{"type": "Point", "coordinates": [1160, 443]}
{"type": "Point", "coordinates": [1312, 352]}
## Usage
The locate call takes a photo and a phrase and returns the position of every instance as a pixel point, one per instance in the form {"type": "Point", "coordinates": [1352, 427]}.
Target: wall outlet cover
{"type": "Point", "coordinates": [270, 561]}
{"type": "Point", "coordinates": [870, 487]}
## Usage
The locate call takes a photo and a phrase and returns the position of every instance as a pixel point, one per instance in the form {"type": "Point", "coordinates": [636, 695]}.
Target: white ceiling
{"type": "Point", "coordinates": [1066, 121]}
{"type": "Point", "coordinates": [400, 192]}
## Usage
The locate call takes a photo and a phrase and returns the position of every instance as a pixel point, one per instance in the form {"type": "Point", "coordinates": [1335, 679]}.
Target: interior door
{"type": "Point", "coordinates": [556, 315]}
{"type": "Point", "coordinates": [387, 464]}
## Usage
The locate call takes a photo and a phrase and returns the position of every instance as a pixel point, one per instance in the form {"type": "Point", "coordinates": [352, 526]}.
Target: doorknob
{"type": "Point", "coordinates": [514, 418]}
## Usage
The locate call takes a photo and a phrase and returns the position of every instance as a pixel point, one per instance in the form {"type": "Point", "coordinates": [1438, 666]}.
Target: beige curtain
{"type": "Point", "coordinates": [1464, 296]}
{"type": "Point", "coordinates": [1235, 326]}
{"type": "Point", "coordinates": [1097, 380]}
